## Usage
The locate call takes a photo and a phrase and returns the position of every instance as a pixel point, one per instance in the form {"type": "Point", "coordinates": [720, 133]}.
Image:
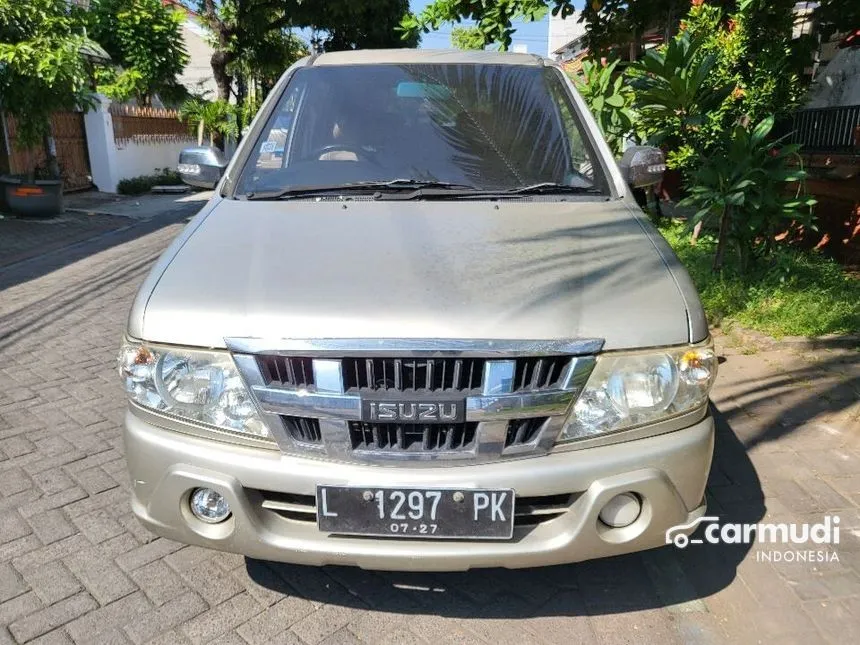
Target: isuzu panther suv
{"type": "Point", "coordinates": [421, 325]}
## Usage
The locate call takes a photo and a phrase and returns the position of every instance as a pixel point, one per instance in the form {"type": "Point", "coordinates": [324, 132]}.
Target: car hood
{"type": "Point", "coordinates": [387, 269]}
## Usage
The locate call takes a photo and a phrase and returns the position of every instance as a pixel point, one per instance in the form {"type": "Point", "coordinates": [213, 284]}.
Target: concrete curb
{"type": "Point", "coordinates": [763, 341]}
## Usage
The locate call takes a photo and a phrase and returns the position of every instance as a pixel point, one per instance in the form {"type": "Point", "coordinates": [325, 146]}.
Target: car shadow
{"type": "Point", "coordinates": [47, 245]}
{"type": "Point", "coordinates": [53, 302]}
{"type": "Point", "coordinates": [652, 579]}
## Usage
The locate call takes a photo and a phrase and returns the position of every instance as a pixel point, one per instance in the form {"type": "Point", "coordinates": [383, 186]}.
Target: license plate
{"type": "Point", "coordinates": [433, 513]}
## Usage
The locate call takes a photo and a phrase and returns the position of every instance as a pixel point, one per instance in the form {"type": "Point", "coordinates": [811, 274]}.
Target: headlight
{"type": "Point", "coordinates": [196, 385]}
{"type": "Point", "coordinates": [627, 390]}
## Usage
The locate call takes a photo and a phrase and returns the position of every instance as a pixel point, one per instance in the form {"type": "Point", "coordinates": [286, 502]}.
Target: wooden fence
{"type": "Point", "coordinates": [135, 124]}
{"type": "Point", "coordinates": [70, 139]}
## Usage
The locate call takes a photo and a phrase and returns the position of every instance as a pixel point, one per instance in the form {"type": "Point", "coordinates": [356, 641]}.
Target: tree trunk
{"type": "Point", "coordinates": [223, 80]}
{"type": "Point", "coordinates": [722, 238]}
{"type": "Point", "coordinates": [51, 156]}
{"type": "Point", "coordinates": [241, 95]}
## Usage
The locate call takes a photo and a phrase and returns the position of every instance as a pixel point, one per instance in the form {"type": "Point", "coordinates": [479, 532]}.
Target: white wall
{"type": "Point", "coordinates": [562, 32]}
{"type": "Point", "coordinates": [839, 83]}
{"type": "Point", "coordinates": [135, 159]}
{"type": "Point", "coordinates": [98, 126]}
{"type": "Point", "coordinates": [197, 75]}
{"type": "Point", "coordinates": [111, 162]}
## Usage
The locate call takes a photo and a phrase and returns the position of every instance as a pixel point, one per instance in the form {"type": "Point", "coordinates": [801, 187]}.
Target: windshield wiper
{"type": "Point", "coordinates": [548, 188]}
{"type": "Point", "coordinates": [407, 189]}
{"type": "Point", "coordinates": [377, 188]}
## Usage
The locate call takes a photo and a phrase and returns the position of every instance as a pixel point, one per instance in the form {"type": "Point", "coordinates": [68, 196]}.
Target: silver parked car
{"type": "Point", "coordinates": [422, 325]}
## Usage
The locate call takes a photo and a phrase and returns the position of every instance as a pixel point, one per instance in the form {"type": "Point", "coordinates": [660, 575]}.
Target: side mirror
{"type": "Point", "coordinates": [201, 166]}
{"type": "Point", "coordinates": [642, 166]}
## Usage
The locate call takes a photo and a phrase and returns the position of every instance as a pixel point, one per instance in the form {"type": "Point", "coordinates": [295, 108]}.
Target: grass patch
{"type": "Point", "coordinates": [144, 183]}
{"type": "Point", "coordinates": [793, 293]}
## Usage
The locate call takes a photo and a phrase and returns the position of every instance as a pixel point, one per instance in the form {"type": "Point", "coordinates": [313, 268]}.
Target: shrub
{"type": "Point", "coordinates": [144, 183]}
{"type": "Point", "coordinates": [741, 189]}
{"type": "Point", "coordinates": [675, 93]}
{"type": "Point", "coordinates": [217, 118]}
{"type": "Point", "coordinates": [719, 71]}
{"type": "Point", "coordinates": [610, 100]}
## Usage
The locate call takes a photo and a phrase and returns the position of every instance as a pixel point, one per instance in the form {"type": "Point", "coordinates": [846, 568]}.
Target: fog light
{"type": "Point", "coordinates": [622, 510]}
{"type": "Point", "coordinates": [209, 505]}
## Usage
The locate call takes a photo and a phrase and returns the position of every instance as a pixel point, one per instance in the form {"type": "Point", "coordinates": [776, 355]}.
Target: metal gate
{"type": "Point", "coordinates": [71, 142]}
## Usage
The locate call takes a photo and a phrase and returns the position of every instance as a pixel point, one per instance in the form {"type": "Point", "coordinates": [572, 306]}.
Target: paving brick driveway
{"type": "Point", "coordinates": [76, 567]}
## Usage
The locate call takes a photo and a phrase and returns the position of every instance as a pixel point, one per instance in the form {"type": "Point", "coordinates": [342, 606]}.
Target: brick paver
{"type": "Point", "coordinates": [24, 238]}
{"type": "Point", "coordinates": [75, 566]}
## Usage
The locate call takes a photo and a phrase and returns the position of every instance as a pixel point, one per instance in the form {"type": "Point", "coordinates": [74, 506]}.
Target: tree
{"type": "Point", "coordinates": [143, 37]}
{"type": "Point", "coordinates": [608, 23]}
{"type": "Point", "coordinates": [467, 38]}
{"type": "Point", "coordinates": [717, 72]}
{"type": "Point", "coordinates": [493, 19]}
{"type": "Point", "coordinates": [41, 67]}
{"type": "Point", "coordinates": [353, 24]}
{"type": "Point", "coordinates": [215, 118]}
{"type": "Point", "coordinates": [240, 25]}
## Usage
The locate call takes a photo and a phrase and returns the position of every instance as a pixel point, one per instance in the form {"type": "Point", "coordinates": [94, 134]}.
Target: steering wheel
{"type": "Point", "coordinates": [358, 151]}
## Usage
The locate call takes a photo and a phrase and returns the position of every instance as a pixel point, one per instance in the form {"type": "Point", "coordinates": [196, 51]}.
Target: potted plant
{"type": "Point", "coordinates": [42, 71]}
{"type": "Point", "coordinates": [35, 194]}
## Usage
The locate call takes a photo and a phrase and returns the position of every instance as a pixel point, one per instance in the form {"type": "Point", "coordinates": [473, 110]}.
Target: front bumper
{"type": "Point", "coordinates": [668, 472]}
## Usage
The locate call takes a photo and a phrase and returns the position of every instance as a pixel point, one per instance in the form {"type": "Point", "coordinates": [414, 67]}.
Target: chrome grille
{"type": "Point", "coordinates": [541, 373]}
{"type": "Point", "coordinates": [402, 437]}
{"type": "Point", "coordinates": [287, 371]}
{"type": "Point", "coordinates": [300, 508]}
{"type": "Point", "coordinates": [303, 429]}
{"type": "Point", "coordinates": [314, 395]}
{"type": "Point", "coordinates": [413, 374]}
{"type": "Point", "coordinates": [529, 511]}
{"type": "Point", "coordinates": [522, 431]}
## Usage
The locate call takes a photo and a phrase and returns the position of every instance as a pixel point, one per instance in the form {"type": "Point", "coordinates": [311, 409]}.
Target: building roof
{"type": "Point", "coordinates": [417, 56]}
{"type": "Point", "coordinates": [576, 42]}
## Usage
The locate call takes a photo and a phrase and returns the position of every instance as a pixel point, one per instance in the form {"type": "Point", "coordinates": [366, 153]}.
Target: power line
{"type": "Point", "coordinates": [514, 37]}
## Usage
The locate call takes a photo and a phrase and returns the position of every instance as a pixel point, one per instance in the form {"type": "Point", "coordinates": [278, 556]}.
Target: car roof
{"type": "Point", "coordinates": [427, 56]}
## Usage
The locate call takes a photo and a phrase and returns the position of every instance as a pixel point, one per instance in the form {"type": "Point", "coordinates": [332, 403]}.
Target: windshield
{"type": "Point", "coordinates": [482, 127]}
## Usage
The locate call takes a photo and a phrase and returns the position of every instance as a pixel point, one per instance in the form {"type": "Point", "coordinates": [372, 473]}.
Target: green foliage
{"type": "Point", "coordinates": [41, 68]}
{"type": "Point", "coordinates": [795, 293]}
{"type": "Point", "coordinates": [610, 99]}
{"type": "Point", "coordinates": [253, 38]}
{"type": "Point", "coordinates": [741, 190]}
{"type": "Point", "coordinates": [249, 108]}
{"type": "Point", "coordinates": [266, 58]}
{"type": "Point", "coordinates": [144, 37]}
{"type": "Point", "coordinates": [121, 86]}
{"type": "Point", "coordinates": [215, 118]}
{"type": "Point", "coordinates": [607, 22]}
{"type": "Point", "coordinates": [675, 91]}
{"type": "Point", "coordinates": [493, 19]}
{"type": "Point", "coordinates": [755, 55]}
{"type": "Point", "coordinates": [351, 24]}
{"type": "Point", "coordinates": [615, 24]}
{"type": "Point", "coordinates": [717, 72]}
{"type": "Point", "coordinates": [467, 38]}
{"type": "Point", "coordinates": [144, 183]}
